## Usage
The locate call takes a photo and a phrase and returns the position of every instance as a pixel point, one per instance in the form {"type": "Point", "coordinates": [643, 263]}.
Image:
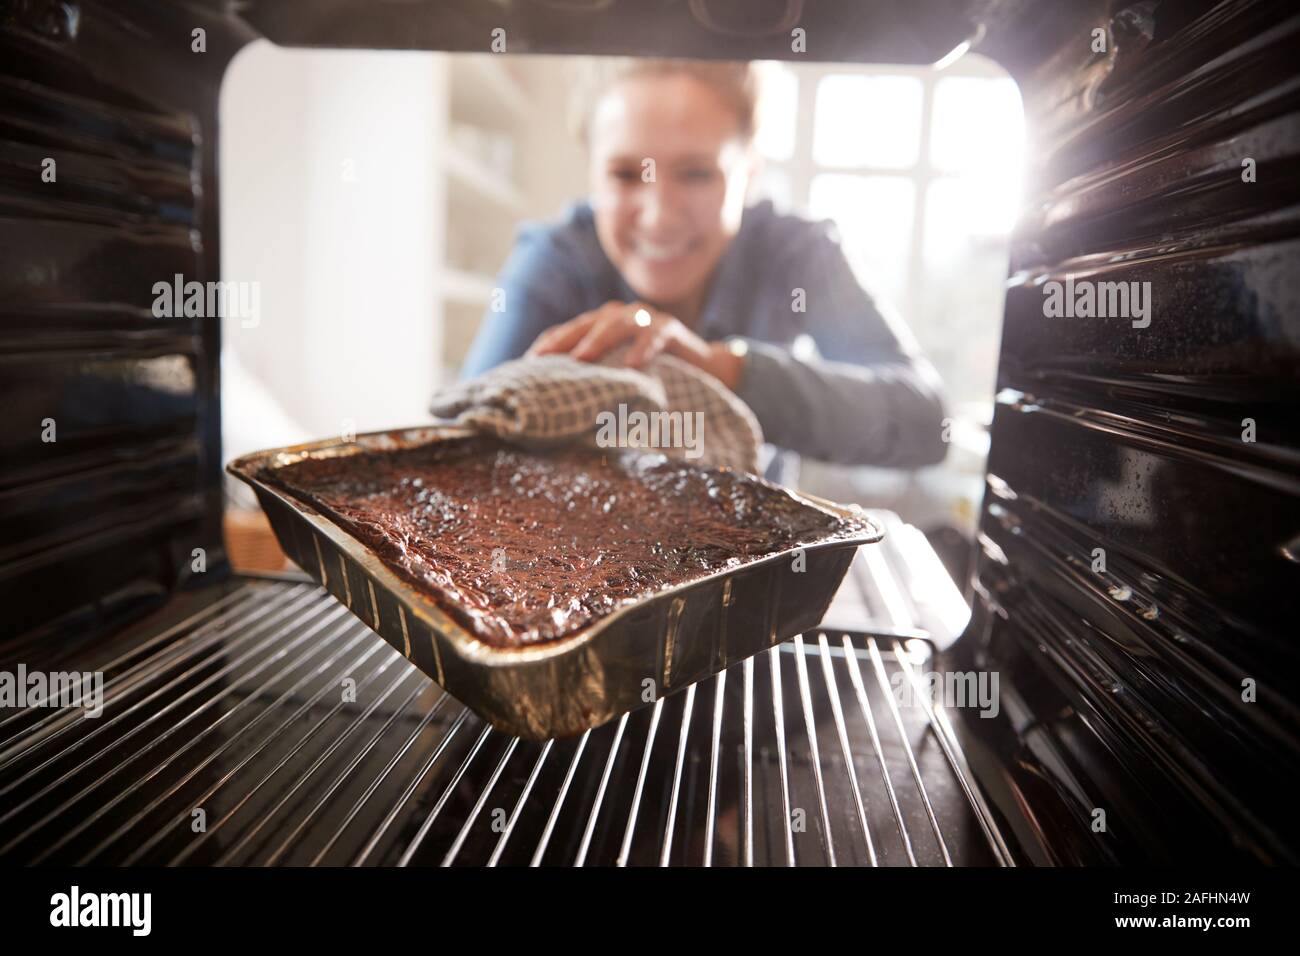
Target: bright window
{"type": "Point", "coordinates": [778, 124]}
{"type": "Point", "coordinates": [921, 170]}
{"type": "Point", "coordinates": [976, 125]}
{"type": "Point", "coordinates": [853, 110]}
{"type": "Point", "coordinates": [877, 237]}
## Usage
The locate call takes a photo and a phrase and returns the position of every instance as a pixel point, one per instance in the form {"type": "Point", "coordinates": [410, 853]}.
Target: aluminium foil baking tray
{"type": "Point", "coordinates": [643, 650]}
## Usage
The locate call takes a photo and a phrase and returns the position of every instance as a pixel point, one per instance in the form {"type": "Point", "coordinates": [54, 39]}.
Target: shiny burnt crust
{"type": "Point", "coordinates": [523, 547]}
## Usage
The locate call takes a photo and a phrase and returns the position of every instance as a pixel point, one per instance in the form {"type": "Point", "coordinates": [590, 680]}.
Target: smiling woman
{"type": "Point", "coordinates": [728, 286]}
{"type": "Point", "coordinates": [686, 128]}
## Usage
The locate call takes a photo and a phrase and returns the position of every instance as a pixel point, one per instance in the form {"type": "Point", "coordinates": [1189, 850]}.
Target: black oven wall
{"type": "Point", "coordinates": [1141, 529]}
{"type": "Point", "coordinates": [1136, 586]}
{"type": "Point", "coordinates": [110, 438]}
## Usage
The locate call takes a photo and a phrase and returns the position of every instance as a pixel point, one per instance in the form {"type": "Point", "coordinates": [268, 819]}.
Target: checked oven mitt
{"type": "Point", "coordinates": [670, 407]}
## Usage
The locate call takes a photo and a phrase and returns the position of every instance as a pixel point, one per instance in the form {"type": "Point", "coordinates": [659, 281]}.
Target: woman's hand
{"type": "Point", "coordinates": [651, 332]}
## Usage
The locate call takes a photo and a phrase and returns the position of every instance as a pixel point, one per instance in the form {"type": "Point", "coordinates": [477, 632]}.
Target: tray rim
{"type": "Point", "coordinates": [467, 645]}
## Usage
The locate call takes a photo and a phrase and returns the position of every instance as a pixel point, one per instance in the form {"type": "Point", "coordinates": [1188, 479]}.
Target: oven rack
{"type": "Point", "coordinates": [256, 722]}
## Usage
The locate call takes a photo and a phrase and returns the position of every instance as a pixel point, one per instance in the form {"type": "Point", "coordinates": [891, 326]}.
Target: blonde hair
{"type": "Point", "coordinates": [737, 82]}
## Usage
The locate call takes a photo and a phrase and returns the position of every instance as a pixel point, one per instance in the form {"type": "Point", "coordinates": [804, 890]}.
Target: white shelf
{"type": "Point", "coordinates": [470, 173]}
{"type": "Point", "coordinates": [482, 206]}
{"type": "Point", "coordinates": [466, 288]}
{"type": "Point", "coordinates": [483, 89]}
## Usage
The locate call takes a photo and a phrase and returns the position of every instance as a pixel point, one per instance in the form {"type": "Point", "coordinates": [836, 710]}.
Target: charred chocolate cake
{"type": "Point", "coordinates": [522, 546]}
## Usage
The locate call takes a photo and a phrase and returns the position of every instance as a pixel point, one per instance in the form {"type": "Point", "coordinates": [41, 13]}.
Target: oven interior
{"type": "Point", "coordinates": [1147, 704]}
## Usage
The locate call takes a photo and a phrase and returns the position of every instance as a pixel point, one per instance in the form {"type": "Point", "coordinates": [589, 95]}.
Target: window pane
{"type": "Point", "coordinates": [978, 125]}
{"type": "Point", "coordinates": [778, 111]}
{"type": "Point", "coordinates": [774, 183]}
{"type": "Point", "coordinates": [962, 213]}
{"type": "Point", "coordinates": [867, 121]}
{"type": "Point", "coordinates": [959, 305]}
{"type": "Point", "coordinates": [874, 214]}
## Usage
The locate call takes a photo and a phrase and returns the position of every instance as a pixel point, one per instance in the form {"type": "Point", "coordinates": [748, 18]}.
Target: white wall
{"type": "Point", "coordinates": [332, 201]}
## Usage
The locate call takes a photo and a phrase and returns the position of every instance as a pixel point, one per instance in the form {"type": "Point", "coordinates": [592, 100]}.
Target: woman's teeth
{"type": "Point", "coordinates": [660, 253]}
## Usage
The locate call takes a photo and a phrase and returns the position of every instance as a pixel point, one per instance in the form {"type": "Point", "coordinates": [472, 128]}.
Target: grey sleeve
{"type": "Point", "coordinates": [867, 397]}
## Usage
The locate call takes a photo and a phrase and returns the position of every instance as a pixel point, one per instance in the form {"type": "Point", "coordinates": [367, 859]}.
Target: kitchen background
{"type": "Point", "coordinates": [375, 195]}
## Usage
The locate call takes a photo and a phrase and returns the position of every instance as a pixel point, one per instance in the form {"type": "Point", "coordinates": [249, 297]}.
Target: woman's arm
{"type": "Point", "coordinates": [886, 413]}
{"type": "Point", "coordinates": [533, 292]}
{"type": "Point", "coordinates": [867, 398]}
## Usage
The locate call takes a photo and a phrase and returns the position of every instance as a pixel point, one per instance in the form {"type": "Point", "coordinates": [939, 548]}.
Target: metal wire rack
{"type": "Point", "coordinates": [259, 723]}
